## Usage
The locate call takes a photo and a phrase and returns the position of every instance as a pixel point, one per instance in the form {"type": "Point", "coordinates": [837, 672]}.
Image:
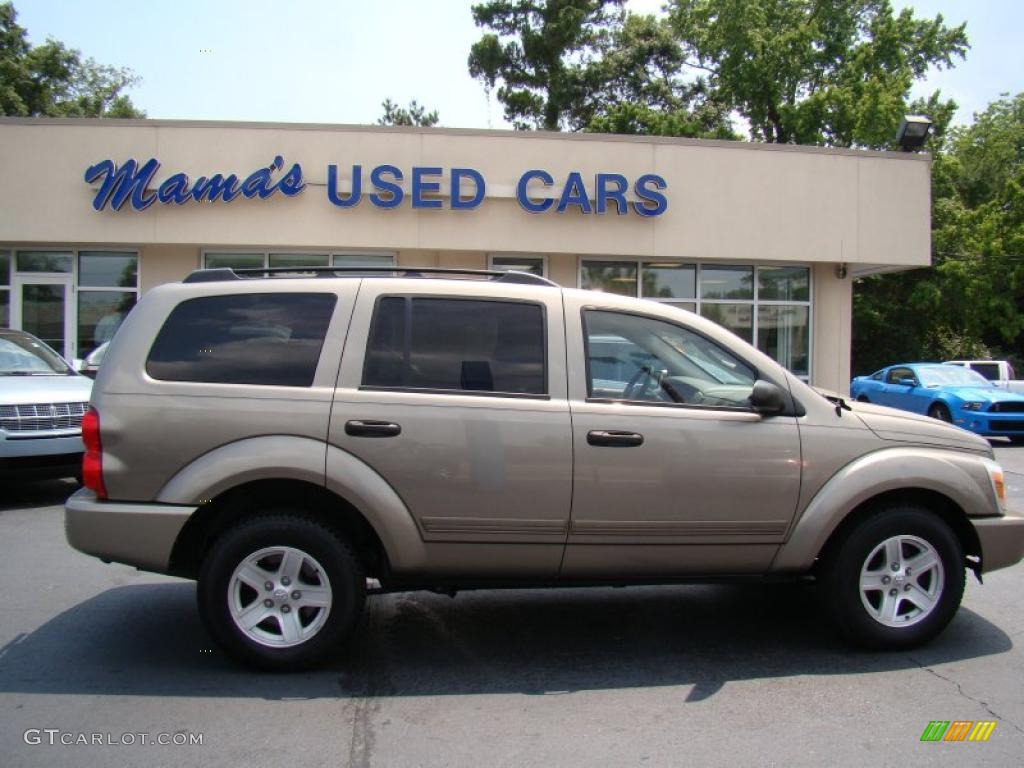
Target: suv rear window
{"type": "Point", "coordinates": [271, 339]}
{"type": "Point", "coordinates": [465, 345]}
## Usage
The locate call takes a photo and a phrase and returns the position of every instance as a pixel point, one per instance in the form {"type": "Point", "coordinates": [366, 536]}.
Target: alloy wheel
{"type": "Point", "coordinates": [279, 597]}
{"type": "Point", "coordinates": [901, 581]}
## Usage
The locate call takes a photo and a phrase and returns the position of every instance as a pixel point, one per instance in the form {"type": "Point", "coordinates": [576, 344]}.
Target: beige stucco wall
{"type": "Point", "coordinates": [832, 305]}
{"type": "Point", "coordinates": [727, 200]}
{"type": "Point", "coordinates": [166, 263]}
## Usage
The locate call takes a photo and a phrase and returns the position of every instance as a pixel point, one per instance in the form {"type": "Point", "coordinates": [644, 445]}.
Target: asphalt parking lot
{"type": "Point", "coordinates": [693, 675]}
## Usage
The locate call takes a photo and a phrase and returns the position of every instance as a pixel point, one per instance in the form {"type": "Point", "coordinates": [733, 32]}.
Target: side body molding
{"type": "Point", "coordinates": [961, 477]}
{"type": "Point", "coordinates": [305, 459]}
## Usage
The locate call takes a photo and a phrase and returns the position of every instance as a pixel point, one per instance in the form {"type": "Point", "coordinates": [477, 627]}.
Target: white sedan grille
{"type": "Point", "coordinates": [42, 417]}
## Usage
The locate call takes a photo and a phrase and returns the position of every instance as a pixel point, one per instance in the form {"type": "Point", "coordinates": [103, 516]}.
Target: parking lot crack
{"type": "Point", "coordinates": [960, 690]}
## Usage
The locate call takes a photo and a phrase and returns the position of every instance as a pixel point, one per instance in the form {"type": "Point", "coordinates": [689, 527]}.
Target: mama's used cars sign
{"type": "Point", "coordinates": [384, 186]}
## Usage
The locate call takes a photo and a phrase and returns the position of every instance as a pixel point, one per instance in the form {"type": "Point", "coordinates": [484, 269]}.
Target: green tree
{"type": "Point", "coordinates": [541, 53]}
{"type": "Point", "coordinates": [639, 85]}
{"type": "Point", "coordinates": [415, 114]}
{"type": "Point", "coordinates": [834, 73]}
{"type": "Point", "coordinates": [52, 80]}
{"type": "Point", "coordinates": [972, 299]}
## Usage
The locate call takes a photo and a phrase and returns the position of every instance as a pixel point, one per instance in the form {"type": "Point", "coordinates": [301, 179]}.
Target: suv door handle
{"type": "Point", "coordinates": [614, 438]}
{"type": "Point", "coordinates": [367, 428]}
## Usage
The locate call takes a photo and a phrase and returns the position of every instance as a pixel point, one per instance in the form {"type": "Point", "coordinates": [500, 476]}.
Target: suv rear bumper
{"type": "Point", "coordinates": [135, 534]}
{"type": "Point", "coordinates": [1002, 540]}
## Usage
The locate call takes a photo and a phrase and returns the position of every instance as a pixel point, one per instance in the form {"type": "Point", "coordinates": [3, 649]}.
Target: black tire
{"type": "Point", "coordinates": [862, 399]}
{"type": "Point", "coordinates": [860, 619]}
{"type": "Point", "coordinates": [327, 567]}
{"type": "Point", "coordinates": [941, 412]}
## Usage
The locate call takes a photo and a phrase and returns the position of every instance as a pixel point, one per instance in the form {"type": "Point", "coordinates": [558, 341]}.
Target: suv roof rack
{"type": "Point", "coordinates": [219, 274]}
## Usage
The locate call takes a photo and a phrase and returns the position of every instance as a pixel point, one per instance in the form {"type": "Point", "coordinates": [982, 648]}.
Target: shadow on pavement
{"type": "Point", "coordinates": [147, 640]}
{"type": "Point", "coordinates": [41, 493]}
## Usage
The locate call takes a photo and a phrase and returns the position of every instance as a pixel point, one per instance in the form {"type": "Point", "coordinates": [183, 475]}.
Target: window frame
{"type": "Point", "coordinates": [408, 298]}
{"type": "Point", "coordinates": [754, 303]}
{"type": "Point", "coordinates": [621, 401]}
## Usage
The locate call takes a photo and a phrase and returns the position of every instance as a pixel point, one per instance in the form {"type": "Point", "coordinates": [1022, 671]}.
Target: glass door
{"type": "Point", "coordinates": [42, 306]}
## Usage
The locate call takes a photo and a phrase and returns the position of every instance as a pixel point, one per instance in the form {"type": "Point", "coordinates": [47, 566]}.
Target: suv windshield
{"type": "Point", "coordinates": [25, 355]}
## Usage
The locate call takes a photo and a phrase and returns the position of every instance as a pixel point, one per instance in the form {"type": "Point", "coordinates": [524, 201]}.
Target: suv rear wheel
{"type": "Point", "coordinates": [280, 591]}
{"type": "Point", "coordinates": [896, 579]}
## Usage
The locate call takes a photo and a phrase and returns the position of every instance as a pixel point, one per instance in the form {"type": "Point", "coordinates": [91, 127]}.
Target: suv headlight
{"type": "Point", "coordinates": [995, 475]}
{"type": "Point", "coordinates": [973, 406]}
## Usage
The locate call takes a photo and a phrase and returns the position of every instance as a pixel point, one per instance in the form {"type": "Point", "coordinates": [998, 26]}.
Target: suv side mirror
{"type": "Point", "coordinates": [766, 398]}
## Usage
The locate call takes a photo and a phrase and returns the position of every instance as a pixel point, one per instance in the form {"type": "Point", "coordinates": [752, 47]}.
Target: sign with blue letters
{"type": "Point", "coordinates": [383, 186]}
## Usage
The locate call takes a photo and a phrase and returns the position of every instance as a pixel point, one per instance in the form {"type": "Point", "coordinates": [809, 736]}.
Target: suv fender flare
{"type": "Point", "coordinates": [300, 458]}
{"type": "Point", "coordinates": [960, 477]}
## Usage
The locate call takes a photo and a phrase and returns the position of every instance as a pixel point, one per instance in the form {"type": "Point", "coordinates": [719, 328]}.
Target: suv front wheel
{"type": "Point", "coordinates": [894, 580]}
{"type": "Point", "coordinates": [280, 591]}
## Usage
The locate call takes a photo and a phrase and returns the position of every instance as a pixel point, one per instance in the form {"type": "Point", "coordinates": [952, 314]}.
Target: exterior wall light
{"type": "Point", "coordinates": [912, 132]}
{"type": "Point", "coordinates": [841, 270]}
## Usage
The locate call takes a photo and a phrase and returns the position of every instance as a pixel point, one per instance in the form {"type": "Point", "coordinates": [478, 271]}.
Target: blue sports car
{"type": "Point", "coordinates": [947, 392]}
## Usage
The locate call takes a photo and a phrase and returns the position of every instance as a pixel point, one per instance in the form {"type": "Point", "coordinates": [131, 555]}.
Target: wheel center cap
{"type": "Point", "coordinates": [280, 593]}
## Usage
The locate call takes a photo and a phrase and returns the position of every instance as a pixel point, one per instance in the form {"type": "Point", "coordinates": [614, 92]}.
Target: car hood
{"type": "Point", "coordinates": [21, 390]}
{"type": "Point", "coordinates": [905, 427]}
{"type": "Point", "coordinates": [984, 394]}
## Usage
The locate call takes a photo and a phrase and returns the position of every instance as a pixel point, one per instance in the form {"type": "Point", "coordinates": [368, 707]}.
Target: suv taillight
{"type": "Point", "coordinates": [92, 461]}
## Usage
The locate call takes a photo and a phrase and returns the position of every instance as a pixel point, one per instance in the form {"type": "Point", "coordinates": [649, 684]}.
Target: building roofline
{"type": "Point", "coordinates": [503, 133]}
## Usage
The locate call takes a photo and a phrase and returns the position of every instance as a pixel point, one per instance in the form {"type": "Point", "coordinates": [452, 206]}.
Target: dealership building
{"type": "Point", "coordinates": [765, 239]}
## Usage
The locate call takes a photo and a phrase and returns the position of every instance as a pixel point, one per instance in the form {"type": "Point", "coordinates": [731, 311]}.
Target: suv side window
{"type": "Point", "coordinates": [269, 339]}
{"type": "Point", "coordinates": [635, 358]}
{"type": "Point", "coordinates": [457, 345]}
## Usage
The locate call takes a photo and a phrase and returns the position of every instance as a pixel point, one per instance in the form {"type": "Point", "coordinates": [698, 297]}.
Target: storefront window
{"type": "Point", "coordinates": [669, 281]}
{"type": "Point", "coordinates": [296, 260]}
{"type": "Point", "coordinates": [738, 318]}
{"type": "Point", "coordinates": [45, 261]}
{"type": "Point", "coordinates": [533, 264]}
{"type": "Point", "coordinates": [609, 277]}
{"type": "Point", "coordinates": [363, 260]}
{"type": "Point", "coordinates": [235, 260]}
{"type": "Point", "coordinates": [107, 289]}
{"type": "Point", "coordinates": [783, 284]}
{"type": "Point", "coordinates": [770, 305]}
{"type": "Point", "coordinates": [106, 269]}
{"type": "Point", "coordinates": [299, 260]}
{"type": "Point", "coordinates": [783, 333]}
{"type": "Point", "coordinates": [730, 283]}
{"type": "Point", "coordinates": [100, 314]}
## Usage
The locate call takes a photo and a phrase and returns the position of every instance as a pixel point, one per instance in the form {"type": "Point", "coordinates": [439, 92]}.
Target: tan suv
{"type": "Point", "coordinates": [284, 437]}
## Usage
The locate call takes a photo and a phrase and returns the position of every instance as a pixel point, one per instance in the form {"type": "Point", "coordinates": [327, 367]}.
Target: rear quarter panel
{"type": "Point", "coordinates": [152, 430]}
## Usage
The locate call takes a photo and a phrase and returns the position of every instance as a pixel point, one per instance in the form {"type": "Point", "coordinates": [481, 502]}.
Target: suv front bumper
{"type": "Point", "coordinates": [142, 535]}
{"type": "Point", "coordinates": [1002, 540]}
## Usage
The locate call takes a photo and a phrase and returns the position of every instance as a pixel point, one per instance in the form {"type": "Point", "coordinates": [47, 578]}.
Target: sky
{"type": "Point", "coordinates": [335, 61]}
